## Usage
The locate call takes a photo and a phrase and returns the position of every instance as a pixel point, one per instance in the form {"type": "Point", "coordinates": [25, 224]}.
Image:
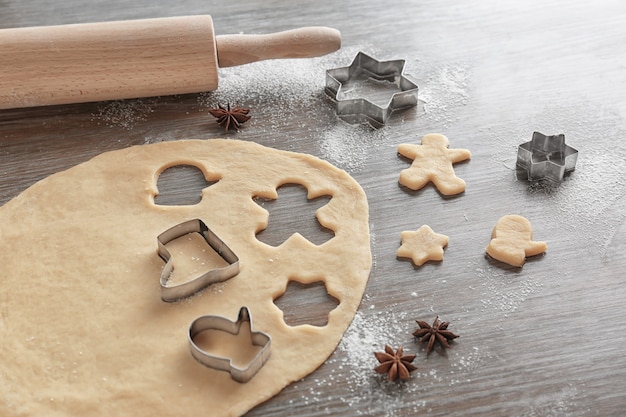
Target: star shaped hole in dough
{"type": "Point", "coordinates": [422, 245]}
{"type": "Point", "coordinates": [432, 162]}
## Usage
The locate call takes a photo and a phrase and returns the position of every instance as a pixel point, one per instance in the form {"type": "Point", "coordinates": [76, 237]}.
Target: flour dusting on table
{"type": "Point", "coordinates": [124, 114]}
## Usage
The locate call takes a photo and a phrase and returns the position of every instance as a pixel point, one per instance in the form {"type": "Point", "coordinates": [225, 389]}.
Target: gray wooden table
{"type": "Point", "coordinates": [544, 340]}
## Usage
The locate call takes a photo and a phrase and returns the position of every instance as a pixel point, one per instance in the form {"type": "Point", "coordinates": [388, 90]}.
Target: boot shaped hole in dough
{"type": "Point", "coordinates": [292, 198]}
{"type": "Point", "coordinates": [192, 256]}
{"type": "Point", "coordinates": [306, 304]}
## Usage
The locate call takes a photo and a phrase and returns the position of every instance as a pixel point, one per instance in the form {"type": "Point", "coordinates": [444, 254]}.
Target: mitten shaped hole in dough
{"type": "Point", "coordinates": [306, 304]}
{"type": "Point", "coordinates": [181, 185]}
{"type": "Point", "coordinates": [292, 212]}
{"type": "Point", "coordinates": [237, 347]}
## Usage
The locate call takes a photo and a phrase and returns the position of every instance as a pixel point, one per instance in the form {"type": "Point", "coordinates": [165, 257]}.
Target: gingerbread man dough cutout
{"type": "Point", "coordinates": [511, 241]}
{"type": "Point", "coordinates": [432, 162]}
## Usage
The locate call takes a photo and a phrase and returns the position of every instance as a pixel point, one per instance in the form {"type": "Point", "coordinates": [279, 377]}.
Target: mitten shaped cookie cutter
{"type": "Point", "coordinates": [221, 363]}
{"type": "Point", "coordinates": [545, 157]}
{"type": "Point", "coordinates": [364, 66]}
{"type": "Point", "coordinates": [172, 293]}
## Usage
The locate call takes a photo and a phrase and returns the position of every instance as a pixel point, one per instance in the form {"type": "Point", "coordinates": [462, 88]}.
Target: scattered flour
{"type": "Point", "coordinates": [565, 402]}
{"type": "Point", "coordinates": [500, 294]}
{"type": "Point", "coordinates": [370, 393]}
{"type": "Point", "coordinates": [124, 114]}
{"type": "Point", "coordinates": [278, 91]}
{"type": "Point", "coordinates": [297, 89]}
{"type": "Point", "coordinates": [444, 91]}
{"type": "Point", "coordinates": [349, 146]}
{"type": "Point", "coordinates": [369, 332]}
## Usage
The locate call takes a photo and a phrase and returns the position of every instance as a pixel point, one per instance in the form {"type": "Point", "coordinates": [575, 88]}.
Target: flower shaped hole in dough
{"type": "Point", "coordinates": [305, 303]}
{"type": "Point", "coordinates": [82, 307]}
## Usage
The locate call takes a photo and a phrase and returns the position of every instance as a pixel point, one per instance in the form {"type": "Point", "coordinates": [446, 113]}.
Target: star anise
{"type": "Point", "coordinates": [230, 117]}
{"type": "Point", "coordinates": [437, 332]}
{"type": "Point", "coordinates": [394, 364]}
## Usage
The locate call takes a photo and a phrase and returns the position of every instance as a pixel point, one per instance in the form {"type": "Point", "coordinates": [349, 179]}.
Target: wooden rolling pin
{"type": "Point", "coordinates": [138, 58]}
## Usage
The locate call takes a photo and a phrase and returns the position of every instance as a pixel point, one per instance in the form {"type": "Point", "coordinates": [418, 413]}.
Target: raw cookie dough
{"type": "Point", "coordinates": [432, 161]}
{"type": "Point", "coordinates": [512, 241]}
{"type": "Point", "coordinates": [83, 329]}
{"type": "Point", "coordinates": [422, 245]}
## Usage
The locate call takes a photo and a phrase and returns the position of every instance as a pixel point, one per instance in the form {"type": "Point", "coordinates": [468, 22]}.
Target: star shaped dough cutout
{"type": "Point", "coordinates": [422, 245]}
{"type": "Point", "coordinates": [432, 162]}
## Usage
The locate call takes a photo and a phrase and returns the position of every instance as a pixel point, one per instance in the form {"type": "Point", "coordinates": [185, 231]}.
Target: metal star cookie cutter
{"type": "Point", "coordinates": [172, 293]}
{"type": "Point", "coordinates": [365, 68]}
{"type": "Point", "coordinates": [223, 363]}
{"type": "Point", "coordinates": [545, 157]}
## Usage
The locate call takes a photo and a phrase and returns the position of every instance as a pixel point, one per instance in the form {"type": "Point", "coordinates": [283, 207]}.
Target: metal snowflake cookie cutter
{"type": "Point", "coordinates": [545, 157]}
{"type": "Point", "coordinates": [260, 339]}
{"type": "Point", "coordinates": [172, 293]}
{"type": "Point", "coordinates": [341, 85]}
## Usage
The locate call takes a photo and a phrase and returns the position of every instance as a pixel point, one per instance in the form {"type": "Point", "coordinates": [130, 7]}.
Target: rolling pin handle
{"type": "Point", "coordinates": [305, 42]}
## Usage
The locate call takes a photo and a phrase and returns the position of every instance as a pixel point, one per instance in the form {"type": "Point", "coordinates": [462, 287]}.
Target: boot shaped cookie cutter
{"type": "Point", "coordinates": [221, 363]}
{"type": "Point", "coordinates": [172, 293]}
{"type": "Point", "coordinates": [367, 67]}
{"type": "Point", "coordinates": [545, 157]}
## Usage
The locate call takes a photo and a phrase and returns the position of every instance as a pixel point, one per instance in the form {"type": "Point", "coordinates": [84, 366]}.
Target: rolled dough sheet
{"type": "Point", "coordinates": [83, 329]}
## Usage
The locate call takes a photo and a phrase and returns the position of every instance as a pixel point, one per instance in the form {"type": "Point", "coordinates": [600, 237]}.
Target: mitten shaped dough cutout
{"type": "Point", "coordinates": [511, 241]}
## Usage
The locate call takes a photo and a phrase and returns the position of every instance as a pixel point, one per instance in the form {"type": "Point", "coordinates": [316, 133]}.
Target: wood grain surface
{"type": "Point", "coordinates": [546, 339]}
